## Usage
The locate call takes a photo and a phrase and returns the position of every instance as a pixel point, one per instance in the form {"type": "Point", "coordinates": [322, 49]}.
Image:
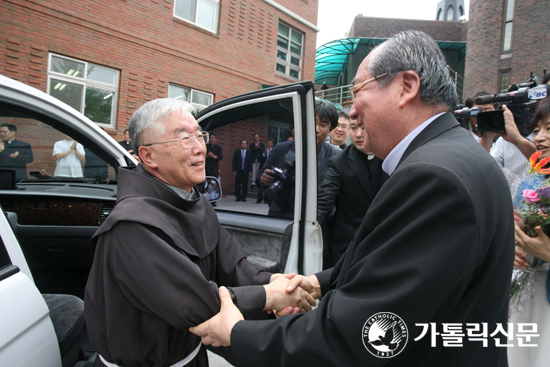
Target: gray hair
{"type": "Point", "coordinates": [150, 118]}
{"type": "Point", "coordinates": [416, 51]}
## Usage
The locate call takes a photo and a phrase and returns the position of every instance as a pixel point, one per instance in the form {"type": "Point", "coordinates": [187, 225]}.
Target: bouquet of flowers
{"type": "Point", "coordinates": [531, 209]}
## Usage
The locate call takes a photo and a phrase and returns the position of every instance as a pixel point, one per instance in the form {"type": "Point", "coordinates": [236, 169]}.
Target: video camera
{"type": "Point", "coordinates": [285, 178]}
{"type": "Point", "coordinates": [463, 114]}
{"type": "Point", "coordinates": [520, 99]}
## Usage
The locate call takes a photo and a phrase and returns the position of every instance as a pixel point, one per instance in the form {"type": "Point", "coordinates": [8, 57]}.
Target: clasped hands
{"type": "Point", "coordinates": [286, 294]}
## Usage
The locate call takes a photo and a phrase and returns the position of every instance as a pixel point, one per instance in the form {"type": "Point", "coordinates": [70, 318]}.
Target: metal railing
{"type": "Point", "coordinates": [342, 95]}
{"type": "Point", "coordinates": [339, 95]}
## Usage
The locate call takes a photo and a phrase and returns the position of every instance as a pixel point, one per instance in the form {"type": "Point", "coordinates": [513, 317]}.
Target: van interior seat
{"type": "Point", "coordinates": [67, 315]}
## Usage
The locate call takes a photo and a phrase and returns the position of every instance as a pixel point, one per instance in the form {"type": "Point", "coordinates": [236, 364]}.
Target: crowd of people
{"type": "Point", "coordinates": [417, 220]}
{"type": "Point", "coordinates": [72, 159]}
{"type": "Point", "coordinates": [416, 236]}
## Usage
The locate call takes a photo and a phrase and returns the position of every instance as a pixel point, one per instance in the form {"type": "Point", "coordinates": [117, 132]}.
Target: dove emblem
{"type": "Point", "coordinates": [385, 335]}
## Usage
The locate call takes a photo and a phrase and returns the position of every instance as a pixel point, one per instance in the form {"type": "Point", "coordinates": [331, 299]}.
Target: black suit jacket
{"type": "Point", "coordinates": [257, 152]}
{"type": "Point", "coordinates": [237, 162]}
{"type": "Point", "coordinates": [351, 183]}
{"type": "Point", "coordinates": [19, 163]}
{"type": "Point", "coordinates": [436, 246]}
{"type": "Point", "coordinates": [212, 163]}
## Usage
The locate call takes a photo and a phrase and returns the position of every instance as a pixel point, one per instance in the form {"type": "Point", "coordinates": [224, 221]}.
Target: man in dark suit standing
{"type": "Point", "coordinates": [213, 156]}
{"type": "Point", "coordinates": [265, 156]}
{"type": "Point", "coordinates": [257, 149]}
{"type": "Point", "coordinates": [436, 246]}
{"type": "Point", "coordinates": [242, 162]}
{"type": "Point", "coordinates": [14, 154]}
{"type": "Point", "coordinates": [352, 181]}
{"type": "Point", "coordinates": [127, 142]}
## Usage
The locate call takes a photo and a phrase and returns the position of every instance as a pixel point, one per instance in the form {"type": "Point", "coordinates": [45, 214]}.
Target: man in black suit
{"type": "Point", "coordinates": [213, 156]}
{"type": "Point", "coordinates": [14, 154]}
{"type": "Point", "coordinates": [242, 162]}
{"type": "Point", "coordinates": [436, 246]}
{"type": "Point", "coordinates": [352, 181]}
{"type": "Point", "coordinates": [257, 149]}
{"type": "Point", "coordinates": [127, 142]}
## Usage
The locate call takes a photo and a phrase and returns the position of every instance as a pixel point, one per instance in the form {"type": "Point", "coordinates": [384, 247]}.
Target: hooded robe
{"type": "Point", "coordinates": [158, 262]}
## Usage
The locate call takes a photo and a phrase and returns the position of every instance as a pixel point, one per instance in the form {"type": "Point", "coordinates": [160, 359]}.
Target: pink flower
{"type": "Point", "coordinates": [530, 196]}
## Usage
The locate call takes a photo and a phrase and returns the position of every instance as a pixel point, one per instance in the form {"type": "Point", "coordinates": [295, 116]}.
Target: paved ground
{"type": "Point", "coordinates": [250, 206]}
{"type": "Point", "coordinates": [217, 361]}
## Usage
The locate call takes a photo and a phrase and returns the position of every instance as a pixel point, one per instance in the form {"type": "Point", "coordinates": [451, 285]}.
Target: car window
{"type": "Point", "coordinates": [32, 153]}
{"type": "Point", "coordinates": [4, 257]}
{"type": "Point", "coordinates": [240, 187]}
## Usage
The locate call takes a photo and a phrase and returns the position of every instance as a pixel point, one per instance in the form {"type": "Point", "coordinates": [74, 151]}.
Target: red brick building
{"type": "Point", "coordinates": [107, 58]}
{"type": "Point", "coordinates": [507, 40]}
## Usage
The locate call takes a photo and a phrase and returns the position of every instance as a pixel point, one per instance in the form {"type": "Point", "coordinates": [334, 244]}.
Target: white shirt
{"type": "Point", "coordinates": [68, 166]}
{"type": "Point", "coordinates": [508, 156]}
{"type": "Point", "coordinates": [391, 161]}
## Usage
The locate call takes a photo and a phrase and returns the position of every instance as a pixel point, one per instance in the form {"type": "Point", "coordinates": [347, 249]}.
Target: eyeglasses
{"type": "Point", "coordinates": [187, 140]}
{"type": "Point", "coordinates": [357, 87]}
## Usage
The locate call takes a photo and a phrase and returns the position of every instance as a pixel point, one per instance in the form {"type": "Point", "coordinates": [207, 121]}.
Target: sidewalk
{"type": "Point", "coordinates": [250, 206]}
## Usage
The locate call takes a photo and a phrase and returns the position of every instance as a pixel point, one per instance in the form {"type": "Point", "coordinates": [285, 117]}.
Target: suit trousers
{"type": "Point", "coordinates": [241, 185]}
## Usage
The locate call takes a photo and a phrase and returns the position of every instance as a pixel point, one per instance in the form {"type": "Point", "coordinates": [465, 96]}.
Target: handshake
{"type": "Point", "coordinates": [289, 294]}
{"type": "Point", "coordinates": [286, 294]}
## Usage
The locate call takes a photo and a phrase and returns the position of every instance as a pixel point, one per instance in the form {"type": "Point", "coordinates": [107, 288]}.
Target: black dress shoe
{"type": "Point", "coordinates": [214, 204]}
{"type": "Point", "coordinates": [238, 200]}
{"type": "Point", "coordinates": [244, 200]}
{"type": "Point", "coordinates": [258, 201]}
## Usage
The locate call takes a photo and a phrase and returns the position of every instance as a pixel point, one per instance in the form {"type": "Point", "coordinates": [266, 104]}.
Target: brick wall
{"type": "Point", "coordinates": [530, 50]}
{"type": "Point", "coordinates": [151, 48]}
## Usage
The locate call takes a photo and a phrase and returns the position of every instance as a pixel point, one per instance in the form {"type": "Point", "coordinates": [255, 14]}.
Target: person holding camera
{"type": "Point", "coordinates": [511, 150]}
{"type": "Point", "coordinates": [470, 102]}
{"type": "Point", "coordinates": [435, 247]}
{"type": "Point", "coordinates": [326, 119]}
{"type": "Point", "coordinates": [537, 307]}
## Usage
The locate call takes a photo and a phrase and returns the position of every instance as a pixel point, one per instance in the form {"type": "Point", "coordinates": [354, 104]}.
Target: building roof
{"type": "Point", "coordinates": [331, 57]}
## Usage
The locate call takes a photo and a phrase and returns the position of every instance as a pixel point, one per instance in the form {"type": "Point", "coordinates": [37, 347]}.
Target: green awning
{"type": "Point", "coordinates": [331, 57]}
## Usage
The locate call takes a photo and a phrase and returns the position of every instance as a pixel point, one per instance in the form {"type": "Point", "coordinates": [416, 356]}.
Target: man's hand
{"type": "Point", "coordinates": [217, 330]}
{"type": "Point", "coordinates": [279, 298]}
{"type": "Point", "coordinates": [2, 146]}
{"type": "Point", "coordinates": [73, 146]}
{"type": "Point", "coordinates": [266, 178]}
{"type": "Point", "coordinates": [512, 134]}
{"type": "Point", "coordinates": [14, 154]}
{"type": "Point", "coordinates": [309, 284]}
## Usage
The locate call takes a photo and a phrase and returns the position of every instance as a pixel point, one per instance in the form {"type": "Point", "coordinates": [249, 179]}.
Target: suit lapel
{"type": "Point", "coordinates": [357, 164]}
{"type": "Point", "coordinates": [438, 126]}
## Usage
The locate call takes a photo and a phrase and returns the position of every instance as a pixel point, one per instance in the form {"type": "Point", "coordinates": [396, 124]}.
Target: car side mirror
{"type": "Point", "coordinates": [210, 188]}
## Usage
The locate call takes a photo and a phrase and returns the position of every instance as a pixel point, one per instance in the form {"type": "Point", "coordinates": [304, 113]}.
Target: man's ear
{"type": "Point", "coordinates": [410, 83]}
{"type": "Point", "coordinates": [148, 156]}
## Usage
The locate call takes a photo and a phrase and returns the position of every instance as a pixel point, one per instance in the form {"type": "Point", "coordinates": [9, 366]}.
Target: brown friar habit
{"type": "Point", "coordinates": [158, 263]}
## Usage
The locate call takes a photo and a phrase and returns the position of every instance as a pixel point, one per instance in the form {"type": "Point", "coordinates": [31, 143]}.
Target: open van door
{"type": "Point", "coordinates": [294, 243]}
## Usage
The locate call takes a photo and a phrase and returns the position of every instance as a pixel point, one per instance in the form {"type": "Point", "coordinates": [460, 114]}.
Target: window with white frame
{"type": "Point", "coordinates": [200, 100]}
{"type": "Point", "coordinates": [203, 13]}
{"type": "Point", "coordinates": [289, 52]}
{"type": "Point", "coordinates": [89, 88]}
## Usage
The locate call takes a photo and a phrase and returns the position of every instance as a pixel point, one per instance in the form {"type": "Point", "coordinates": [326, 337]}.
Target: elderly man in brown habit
{"type": "Point", "coordinates": [161, 255]}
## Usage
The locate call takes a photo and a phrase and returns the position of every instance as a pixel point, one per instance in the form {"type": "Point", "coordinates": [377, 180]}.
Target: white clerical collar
{"type": "Point", "coordinates": [391, 161]}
